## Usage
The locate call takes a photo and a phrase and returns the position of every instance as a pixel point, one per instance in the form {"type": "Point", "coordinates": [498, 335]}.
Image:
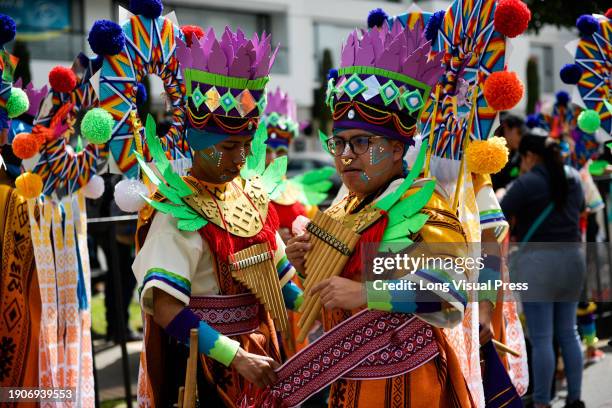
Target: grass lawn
{"type": "Point", "coordinates": [98, 314]}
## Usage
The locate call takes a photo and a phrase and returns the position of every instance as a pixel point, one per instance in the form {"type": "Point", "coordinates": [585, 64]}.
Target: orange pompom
{"type": "Point", "coordinates": [26, 145]}
{"type": "Point", "coordinates": [29, 185]}
{"type": "Point", "coordinates": [511, 17]}
{"type": "Point", "coordinates": [189, 31]}
{"type": "Point", "coordinates": [503, 90]}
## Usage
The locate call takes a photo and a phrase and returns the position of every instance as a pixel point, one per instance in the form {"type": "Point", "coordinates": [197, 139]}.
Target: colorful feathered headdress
{"type": "Point", "coordinates": [281, 119]}
{"type": "Point", "coordinates": [384, 80]}
{"type": "Point", "coordinates": [225, 82]}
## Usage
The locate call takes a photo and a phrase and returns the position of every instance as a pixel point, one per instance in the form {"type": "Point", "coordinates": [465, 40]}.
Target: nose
{"type": "Point", "coordinates": [347, 152]}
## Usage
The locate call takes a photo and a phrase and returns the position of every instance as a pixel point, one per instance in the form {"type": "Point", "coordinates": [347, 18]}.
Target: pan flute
{"type": "Point", "coordinates": [254, 268]}
{"type": "Point", "coordinates": [332, 245]}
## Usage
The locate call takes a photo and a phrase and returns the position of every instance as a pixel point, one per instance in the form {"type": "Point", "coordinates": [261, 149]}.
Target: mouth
{"type": "Point", "coordinates": [351, 170]}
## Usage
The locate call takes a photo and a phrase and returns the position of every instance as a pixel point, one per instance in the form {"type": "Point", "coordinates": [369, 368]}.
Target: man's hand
{"type": "Point", "coordinates": [296, 250]}
{"type": "Point", "coordinates": [340, 292]}
{"type": "Point", "coordinates": [256, 369]}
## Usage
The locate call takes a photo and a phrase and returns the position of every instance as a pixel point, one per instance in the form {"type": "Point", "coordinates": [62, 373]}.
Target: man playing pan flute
{"type": "Point", "coordinates": [381, 348]}
{"type": "Point", "coordinates": [192, 249]}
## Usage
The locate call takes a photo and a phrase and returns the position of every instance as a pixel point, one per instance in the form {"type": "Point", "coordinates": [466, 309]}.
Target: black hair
{"type": "Point", "coordinates": [550, 153]}
{"type": "Point", "coordinates": [512, 121]}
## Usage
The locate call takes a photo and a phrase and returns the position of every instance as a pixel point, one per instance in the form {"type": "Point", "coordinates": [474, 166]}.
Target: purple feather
{"type": "Point", "coordinates": [217, 62]}
{"type": "Point", "coordinates": [348, 51]}
{"type": "Point", "coordinates": [272, 59]}
{"type": "Point", "coordinates": [183, 53]}
{"type": "Point", "coordinates": [241, 67]}
{"type": "Point", "coordinates": [388, 60]}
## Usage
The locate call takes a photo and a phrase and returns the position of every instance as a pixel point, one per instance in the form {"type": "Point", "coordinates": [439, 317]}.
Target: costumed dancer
{"type": "Point", "coordinates": [376, 98]}
{"type": "Point", "coordinates": [200, 234]}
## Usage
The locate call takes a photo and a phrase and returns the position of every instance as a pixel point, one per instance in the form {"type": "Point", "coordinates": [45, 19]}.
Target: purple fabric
{"type": "Point", "coordinates": [180, 327]}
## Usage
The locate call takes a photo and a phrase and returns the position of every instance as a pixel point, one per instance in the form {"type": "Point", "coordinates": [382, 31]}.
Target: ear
{"type": "Point", "coordinates": [398, 150]}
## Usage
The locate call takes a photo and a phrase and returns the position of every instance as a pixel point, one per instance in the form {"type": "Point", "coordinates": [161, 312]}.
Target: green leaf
{"type": "Point", "coordinates": [395, 245]}
{"type": "Point", "coordinates": [387, 202]}
{"type": "Point", "coordinates": [256, 160]}
{"type": "Point", "coordinates": [155, 147]}
{"type": "Point", "coordinates": [323, 138]}
{"type": "Point", "coordinates": [192, 225]}
{"type": "Point", "coordinates": [313, 197]}
{"type": "Point", "coordinates": [273, 176]}
{"type": "Point", "coordinates": [413, 204]}
{"type": "Point", "coordinates": [147, 170]}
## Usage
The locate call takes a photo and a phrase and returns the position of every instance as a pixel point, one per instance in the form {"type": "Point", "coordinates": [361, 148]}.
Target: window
{"type": "Point", "coordinates": [544, 55]}
{"type": "Point", "coordinates": [249, 22]}
{"type": "Point", "coordinates": [51, 30]}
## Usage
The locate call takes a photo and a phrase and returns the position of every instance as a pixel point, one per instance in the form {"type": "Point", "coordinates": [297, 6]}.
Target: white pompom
{"type": "Point", "coordinates": [128, 195]}
{"type": "Point", "coordinates": [94, 188]}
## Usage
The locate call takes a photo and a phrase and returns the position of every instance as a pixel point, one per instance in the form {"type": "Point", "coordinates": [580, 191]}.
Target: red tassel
{"type": "Point", "coordinates": [367, 247]}
{"type": "Point", "coordinates": [288, 213]}
{"type": "Point", "coordinates": [223, 244]}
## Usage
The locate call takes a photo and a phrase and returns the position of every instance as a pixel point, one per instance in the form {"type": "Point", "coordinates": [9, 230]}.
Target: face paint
{"type": "Point", "coordinates": [378, 154]}
{"type": "Point", "coordinates": [212, 155]}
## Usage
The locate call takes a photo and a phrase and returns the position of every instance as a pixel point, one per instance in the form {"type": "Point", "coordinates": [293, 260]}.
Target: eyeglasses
{"type": "Point", "coordinates": [358, 144]}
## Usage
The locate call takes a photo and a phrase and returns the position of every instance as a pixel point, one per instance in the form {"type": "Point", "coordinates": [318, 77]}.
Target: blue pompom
{"type": "Point", "coordinates": [332, 74]}
{"type": "Point", "coordinates": [8, 29]}
{"type": "Point", "coordinates": [434, 24]}
{"type": "Point", "coordinates": [533, 120]}
{"type": "Point", "coordinates": [147, 8]}
{"type": "Point", "coordinates": [587, 25]}
{"type": "Point", "coordinates": [141, 94]}
{"type": "Point", "coordinates": [570, 74]}
{"type": "Point", "coordinates": [377, 17]}
{"type": "Point", "coordinates": [562, 98]}
{"type": "Point", "coordinates": [106, 38]}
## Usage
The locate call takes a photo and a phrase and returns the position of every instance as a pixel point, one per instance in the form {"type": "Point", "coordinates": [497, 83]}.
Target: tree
{"type": "Point", "coordinates": [533, 85]}
{"type": "Point", "coordinates": [20, 50]}
{"type": "Point", "coordinates": [320, 111]}
{"type": "Point", "coordinates": [562, 13]}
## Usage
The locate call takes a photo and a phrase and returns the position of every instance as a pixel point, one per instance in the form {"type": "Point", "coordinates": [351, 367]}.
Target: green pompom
{"type": "Point", "coordinates": [589, 121]}
{"type": "Point", "coordinates": [17, 103]}
{"type": "Point", "coordinates": [97, 126]}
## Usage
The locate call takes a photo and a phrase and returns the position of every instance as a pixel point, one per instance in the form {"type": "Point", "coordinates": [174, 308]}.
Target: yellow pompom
{"type": "Point", "coordinates": [487, 156]}
{"type": "Point", "coordinates": [29, 185]}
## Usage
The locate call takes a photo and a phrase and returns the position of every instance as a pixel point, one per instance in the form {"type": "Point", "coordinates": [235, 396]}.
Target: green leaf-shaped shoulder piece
{"type": "Point", "coordinates": [147, 170]}
{"type": "Point", "coordinates": [272, 177]}
{"type": "Point", "coordinates": [192, 224]}
{"type": "Point", "coordinates": [411, 205]}
{"type": "Point", "coordinates": [387, 202]}
{"type": "Point", "coordinates": [405, 227]}
{"type": "Point", "coordinates": [395, 245]}
{"type": "Point", "coordinates": [154, 145]}
{"type": "Point", "coordinates": [256, 160]}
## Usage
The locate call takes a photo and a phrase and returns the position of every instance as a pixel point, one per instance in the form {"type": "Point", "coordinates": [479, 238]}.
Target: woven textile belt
{"type": "Point", "coordinates": [369, 345]}
{"type": "Point", "coordinates": [230, 315]}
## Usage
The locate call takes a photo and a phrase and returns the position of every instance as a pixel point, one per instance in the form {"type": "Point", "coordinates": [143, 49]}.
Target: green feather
{"type": "Point", "coordinates": [272, 177]}
{"type": "Point", "coordinates": [147, 170]}
{"type": "Point", "coordinates": [387, 202]}
{"type": "Point", "coordinates": [395, 245]}
{"type": "Point", "coordinates": [313, 197]}
{"type": "Point", "coordinates": [155, 147]}
{"type": "Point", "coordinates": [177, 183]}
{"type": "Point", "coordinates": [169, 193]}
{"type": "Point", "coordinates": [192, 225]}
{"type": "Point", "coordinates": [405, 227]}
{"type": "Point", "coordinates": [411, 205]}
{"type": "Point", "coordinates": [323, 138]}
{"type": "Point", "coordinates": [319, 187]}
{"type": "Point", "coordinates": [177, 211]}
{"type": "Point", "coordinates": [315, 176]}
{"type": "Point", "coordinates": [256, 160]}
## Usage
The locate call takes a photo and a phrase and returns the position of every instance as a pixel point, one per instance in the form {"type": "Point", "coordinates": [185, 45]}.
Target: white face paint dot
{"type": "Point", "coordinates": [272, 135]}
{"type": "Point", "coordinates": [250, 125]}
{"type": "Point", "coordinates": [351, 114]}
